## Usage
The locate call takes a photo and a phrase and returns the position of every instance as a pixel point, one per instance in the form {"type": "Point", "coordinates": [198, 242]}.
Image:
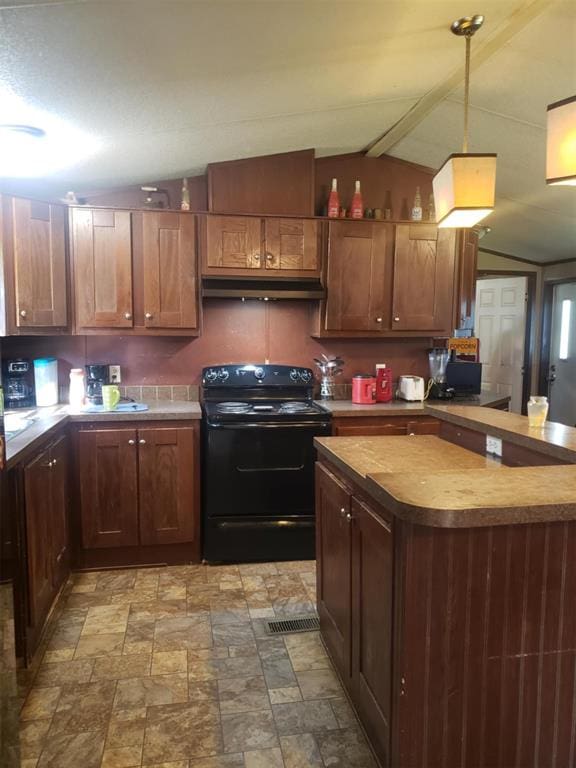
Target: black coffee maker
{"type": "Point", "coordinates": [97, 374]}
{"type": "Point", "coordinates": [18, 382]}
{"type": "Point", "coordinates": [438, 358]}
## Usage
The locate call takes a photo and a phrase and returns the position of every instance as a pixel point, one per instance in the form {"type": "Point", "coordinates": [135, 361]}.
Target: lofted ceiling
{"type": "Point", "coordinates": [160, 88]}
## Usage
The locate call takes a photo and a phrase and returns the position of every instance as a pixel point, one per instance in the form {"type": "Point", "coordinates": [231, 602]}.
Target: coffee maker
{"type": "Point", "coordinates": [97, 374]}
{"type": "Point", "coordinates": [438, 358]}
{"type": "Point", "coordinates": [18, 382]}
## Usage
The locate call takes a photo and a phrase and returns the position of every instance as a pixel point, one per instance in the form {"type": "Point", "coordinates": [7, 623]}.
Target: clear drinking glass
{"type": "Point", "coordinates": [537, 410]}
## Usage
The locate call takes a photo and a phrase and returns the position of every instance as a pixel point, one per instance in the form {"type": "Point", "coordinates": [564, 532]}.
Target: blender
{"type": "Point", "coordinates": [438, 358]}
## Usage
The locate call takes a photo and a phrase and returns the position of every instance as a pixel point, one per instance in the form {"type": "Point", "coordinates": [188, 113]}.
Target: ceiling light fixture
{"type": "Point", "coordinates": [464, 186]}
{"type": "Point", "coordinates": [561, 143]}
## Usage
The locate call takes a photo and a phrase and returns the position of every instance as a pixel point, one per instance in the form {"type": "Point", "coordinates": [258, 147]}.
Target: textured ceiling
{"type": "Point", "coordinates": [163, 87]}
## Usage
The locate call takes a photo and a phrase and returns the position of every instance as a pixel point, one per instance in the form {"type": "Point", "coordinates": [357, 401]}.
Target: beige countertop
{"type": "Point", "coordinates": [552, 439]}
{"type": "Point", "coordinates": [425, 480]}
{"type": "Point", "coordinates": [46, 421]}
{"type": "Point", "coordinates": [346, 408]}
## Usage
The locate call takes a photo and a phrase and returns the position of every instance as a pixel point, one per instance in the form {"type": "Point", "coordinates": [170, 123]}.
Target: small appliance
{"type": "Point", "coordinates": [383, 383]}
{"type": "Point", "coordinates": [97, 374]}
{"type": "Point", "coordinates": [464, 378]}
{"type": "Point", "coordinates": [18, 381]}
{"type": "Point", "coordinates": [363, 389]}
{"type": "Point", "coordinates": [46, 381]}
{"type": "Point", "coordinates": [411, 388]}
{"type": "Point", "coordinates": [438, 358]}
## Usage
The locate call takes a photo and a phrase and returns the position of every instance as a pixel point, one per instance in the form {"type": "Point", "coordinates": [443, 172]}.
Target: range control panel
{"type": "Point", "coordinates": [252, 375]}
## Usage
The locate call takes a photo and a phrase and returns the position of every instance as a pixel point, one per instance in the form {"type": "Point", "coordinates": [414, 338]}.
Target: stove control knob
{"type": "Point", "coordinates": [305, 375]}
{"type": "Point", "coordinates": [294, 374]}
{"type": "Point", "coordinates": [259, 373]}
{"type": "Point", "coordinates": [223, 374]}
{"type": "Point", "coordinates": [211, 375]}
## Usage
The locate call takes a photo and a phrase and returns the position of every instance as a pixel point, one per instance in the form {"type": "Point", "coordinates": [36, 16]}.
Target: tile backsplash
{"type": "Point", "coordinates": [148, 392]}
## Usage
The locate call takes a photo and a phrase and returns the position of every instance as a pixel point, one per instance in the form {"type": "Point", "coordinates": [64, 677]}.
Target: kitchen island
{"type": "Point", "coordinates": [447, 593]}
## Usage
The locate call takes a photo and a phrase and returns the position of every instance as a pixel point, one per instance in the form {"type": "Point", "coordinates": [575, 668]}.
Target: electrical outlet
{"type": "Point", "coordinates": [115, 374]}
{"type": "Point", "coordinates": [494, 445]}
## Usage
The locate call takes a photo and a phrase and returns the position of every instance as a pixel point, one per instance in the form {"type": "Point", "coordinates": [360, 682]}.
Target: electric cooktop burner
{"type": "Point", "coordinates": [232, 407]}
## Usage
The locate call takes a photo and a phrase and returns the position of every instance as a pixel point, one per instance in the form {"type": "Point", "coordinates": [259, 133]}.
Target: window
{"type": "Point", "coordinates": [565, 329]}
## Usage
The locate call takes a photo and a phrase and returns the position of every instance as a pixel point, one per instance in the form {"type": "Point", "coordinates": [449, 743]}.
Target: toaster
{"type": "Point", "coordinates": [411, 387]}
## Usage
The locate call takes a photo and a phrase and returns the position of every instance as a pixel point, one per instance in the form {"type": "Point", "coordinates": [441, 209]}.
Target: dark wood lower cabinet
{"type": "Point", "coordinates": [374, 426]}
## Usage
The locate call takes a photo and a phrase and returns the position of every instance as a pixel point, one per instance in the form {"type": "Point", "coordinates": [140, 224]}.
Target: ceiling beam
{"type": "Point", "coordinates": [516, 22]}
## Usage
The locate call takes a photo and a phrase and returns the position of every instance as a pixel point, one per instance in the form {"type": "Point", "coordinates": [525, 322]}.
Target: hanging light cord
{"type": "Point", "coordinates": [466, 93]}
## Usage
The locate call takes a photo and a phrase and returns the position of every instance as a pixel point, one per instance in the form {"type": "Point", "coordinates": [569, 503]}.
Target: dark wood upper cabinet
{"type": "Point", "coordinates": [108, 485]}
{"type": "Point", "coordinates": [102, 258]}
{"type": "Point", "coordinates": [292, 245]}
{"type": "Point", "coordinates": [169, 270]}
{"type": "Point", "coordinates": [231, 244]}
{"type": "Point", "coordinates": [424, 277]}
{"type": "Point", "coordinates": [467, 266]}
{"type": "Point", "coordinates": [358, 281]}
{"type": "Point", "coordinates": [35, 274]}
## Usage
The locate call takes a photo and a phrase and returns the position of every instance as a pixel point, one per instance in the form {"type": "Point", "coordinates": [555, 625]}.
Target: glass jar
{"type": "Point", "coordinates": [77, 392]}
{"type": "Point", "coordinates": [537, 410]}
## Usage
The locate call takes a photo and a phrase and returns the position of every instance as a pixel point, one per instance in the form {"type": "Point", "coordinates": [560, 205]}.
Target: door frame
{"type": "Point", "coordinates": [529, 345]}
{"type": "Point", "coordinates": [546, 330]}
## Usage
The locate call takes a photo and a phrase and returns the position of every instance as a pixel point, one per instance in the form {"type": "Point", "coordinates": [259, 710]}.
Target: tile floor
{"type": "Point", "coordinates": [171, 668]}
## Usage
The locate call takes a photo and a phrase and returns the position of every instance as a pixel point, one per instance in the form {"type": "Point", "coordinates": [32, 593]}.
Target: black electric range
{"type": "Point", "coordinates": [258, 426]}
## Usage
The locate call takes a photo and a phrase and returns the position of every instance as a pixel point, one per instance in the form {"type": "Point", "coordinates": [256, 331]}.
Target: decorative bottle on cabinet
{"type": "Point", "coordinates": [431, 208]}
{"type": "Point", "coordinates": [334, 201]}
{"type": "Point", "coordinates": [357, 207]}
{"type": "Point", "coordinates": [185, 204]}
{"type": "Point", "coordinates": [417, 207]}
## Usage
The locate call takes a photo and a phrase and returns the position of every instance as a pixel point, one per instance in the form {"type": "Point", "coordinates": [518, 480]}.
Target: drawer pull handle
{"type": "Point", "coordinates": [142, 441]}
{"type": "Point", "coordinates": [396, 319]}
{"type": "Point", "coordinates": [127, 315]}
{"type": "Point", "coordinates": [131, 442]}
{"type": "Point", "coordinates": [23, 313]}
{"type": "Point", "coordinates": [378, 319]}
{"type": "Point", "coordinates": [148, 316]}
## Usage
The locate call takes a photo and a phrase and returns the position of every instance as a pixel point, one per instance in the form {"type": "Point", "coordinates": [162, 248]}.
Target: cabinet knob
{"type": "Point", "coordinates": [131, 442]}
{"type": "Point", "coordinates": [378, 319]}
{"type": "Point", "coordinates": [128, 315]}
{"type": "Point", "coordinates": [54, 462]}
{"type": "Point", "coordinates": [396, 319]}
{"type": "Point", "coordinates": [47, 465]}
{"type": "Point", "coordinates": [342, 511]}
{"type": "Point", "coordinates": [142, 441]}
{"type": "Point", "coordinates": [23, 313]}
{"type": "Point", "coordinates": [148, 315]}
{"type": "Point", "coordinates": [349, 517]}
{"type": "Point", "coordinates": [269, 257]}
{"type": "Point", "coordinates": [256, 257]}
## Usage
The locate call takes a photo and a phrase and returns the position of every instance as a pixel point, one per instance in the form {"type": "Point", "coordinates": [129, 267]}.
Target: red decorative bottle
{"type": "Point", "coordinates": [357, 207]}
{"type": "Point", "coordinates": [383, 383]}
{"type": "Point", "coordinates": [334, 201]}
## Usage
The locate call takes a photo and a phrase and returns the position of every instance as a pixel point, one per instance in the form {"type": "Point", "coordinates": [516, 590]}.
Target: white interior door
{"type": "Point", "coordinates": [562, 375]}
{"type": "Point", "coordinates": [501, 326]}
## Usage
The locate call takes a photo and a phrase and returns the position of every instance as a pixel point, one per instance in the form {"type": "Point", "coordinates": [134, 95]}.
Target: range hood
{"type": "Point", "coordinates": [263, 289]}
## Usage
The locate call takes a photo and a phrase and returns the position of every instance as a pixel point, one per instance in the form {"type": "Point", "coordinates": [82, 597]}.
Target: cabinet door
{"type": "Point", "coordinates": [167, 485]}
{"type": "Point", "coordinates": [169, 262]}
{"type": "Point", "coordinates": [423, 427]}
{"type": "Point", "coordinates": [333, 555]}
{"type": "Point", "coordinates": [37, 498]}
{"type": "Point", "coordinates": [59, 514]}
{"type": "Point", "coordinates": [359, 276]}
{"type": "Point", "coordinates": [372, 623]}
{"type": "Point", "coordinates": [292, 245]}
{"type": "Point", "coordinates": [102, 255]}
{"type": "Point", "coordinates": [468, 261]}
{"type": "Point", "coordinates": [424, 259]}
{"type": "Point", "coordinates": [232, 244]}
{"type": "Point", "coordinates": [108, 487]}
{"type": "Point", "coordinates": [39, 245]}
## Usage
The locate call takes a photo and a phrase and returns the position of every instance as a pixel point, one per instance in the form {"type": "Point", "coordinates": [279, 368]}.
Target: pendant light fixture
{"type": "Point", "coordinates": [464, 186]}
{"type": "Point", "coordinates": [561, 143]}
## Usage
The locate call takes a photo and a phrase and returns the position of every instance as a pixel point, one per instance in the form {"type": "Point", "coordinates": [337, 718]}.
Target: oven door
{"type": "Point", "coordinates": [260, 470]}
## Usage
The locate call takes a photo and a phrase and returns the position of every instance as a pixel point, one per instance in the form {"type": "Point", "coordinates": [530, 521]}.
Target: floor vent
{"type": "Point", "coordinates": [310, 623]}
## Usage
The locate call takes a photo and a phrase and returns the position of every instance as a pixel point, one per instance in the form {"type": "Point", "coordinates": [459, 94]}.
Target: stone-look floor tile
{"type": "Point", "coordinates": [105, 620]}
{"type": "Point", "coordinates": [83, 588]}
{"type": "Point", "coordinates": [121, 667]}
{"type": "Point", "coordinates": [172, 593]}
{"type": "Point", "coordinates": [217, 572]}
{"type": "Point", "coordinates": [41, 703]}
{"type": "Point", "coordinates": [276, 663]}
{"type": "Point", "coordinates": [64, 636]}
{"type": "Point", "coordinates": [257, 569]}
{"type": "Point", "coordinates": [122, 757]}
{"type": "Point", "coordinates": [151, 691]}
{"type": "Point", "coordinates": [74, 750]}
{"type": "Point", "coordinates": [87, 600]}
{"type": "Point", "coordinates": [139, 637]}
{"type": "Point", "coordinates": [285, 695]}
{"type": "Point", "coordinates": [319, 684]}
{"type": "Point", "coordinates": [262, 613]}
{"type": "Point", "coordinates": [169, 662]}
{"type": "Point", "coordinates": [243, 650]}
{"type": "Point", "coordinates": [171, 764]}
{"type": "Point", "coordinates": [293, 606]}
{"type": "Point", "coordinates": [260, 600]}
{"type": "Point", "coordinates": [230, 584]}
{"type": "Point", "coordinates": [122, 580]}
{"type": "Point", "coordinates": [306, 651]}
{"type": "Point", "coordinates": [100, 645]}
{"type": "Point", "coordinates": [253, 583]}
{"type": "Point", "coordinates": [230, 615]}
{"type": "Point", "coordinates": [304, 717]}
{"type": "Point", "coordinates": [83, 708]}
{"type": "Point", "coordinates": [200, 654]}
{"type": "Point", "coordinates": [182, 633]}
{"type": "Point", "coordinates": [297, 566]}
{"type": "Point", "coordinates": [301, 751]}
{"type": "Point", "coordinates": [33, 735]}
{"type": "Point", "coordinates": [249, 731]}
{"type": "Point", "coordinates": [219, 669]}
{"type": "Point", "coordinates": [221, 761]}
{"type": "Point", "coordinates": [264, 758]}
{"type": "Point", "coordinates": [242, 694]}
{"type": "Point", "coordinates": [139, 595]}
{"type": "Point", "coordinates": [52, 657]}
{"type": "Point", "coordinates": [344, 713]}
{"type": "Point", "coordinates": [72, 616]}
{"type": "Point", "coordinates": [345, 749]}
{"type": "Point", "coordinates": [126, 728]}
{"type": "Point", "coordinates": [64, 672]}
{"type": "Point", "coordinates": [181, 731]}
{"type": "Point", "coordinates": [233, 634]}
{"type": "Point", "coordinates": [157, 609]}
{"type": "Point", "coordinates": [32, 763]}
{"type": "Point", "coordinates": [203, 690]}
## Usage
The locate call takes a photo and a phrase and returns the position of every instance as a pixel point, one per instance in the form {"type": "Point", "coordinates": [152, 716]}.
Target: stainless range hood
{"type": "Point", "coordinates": [263, 289]}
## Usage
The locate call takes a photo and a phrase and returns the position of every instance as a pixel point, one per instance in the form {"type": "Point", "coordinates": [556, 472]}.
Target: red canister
{"type": "Point", "coordinates": [383, 383]}
{"type": "Point", "coordinates": [363, 389]}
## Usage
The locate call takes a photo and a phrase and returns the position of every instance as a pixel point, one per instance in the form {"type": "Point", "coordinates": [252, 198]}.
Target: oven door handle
{"type": "Point", "coordinates": [258, 525]}
{"type": "Point", "coordinates": [272, 425]}
{"type": "Point", "coordinates": [299, 468]}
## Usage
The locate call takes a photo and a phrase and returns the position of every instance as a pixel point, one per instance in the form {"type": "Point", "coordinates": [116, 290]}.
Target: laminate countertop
{"type": "Point", "coordinates": [427, 481]}
{"type": "Point", "coordinates": [47, 421]}
{"type": "Point", "coordinates": [348, 409]}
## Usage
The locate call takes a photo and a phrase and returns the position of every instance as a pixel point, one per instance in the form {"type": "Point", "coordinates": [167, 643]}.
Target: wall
{"type": "Point", "coordinates": [565, 271]}
{"type": "Point", "coordinates": [233, 332]}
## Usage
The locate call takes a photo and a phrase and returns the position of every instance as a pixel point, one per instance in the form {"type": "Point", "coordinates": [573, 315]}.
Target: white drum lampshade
{"type": "Point", "coordinates": [464, 189]}
{"type": "Point", "coordinates": [561, 143]}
